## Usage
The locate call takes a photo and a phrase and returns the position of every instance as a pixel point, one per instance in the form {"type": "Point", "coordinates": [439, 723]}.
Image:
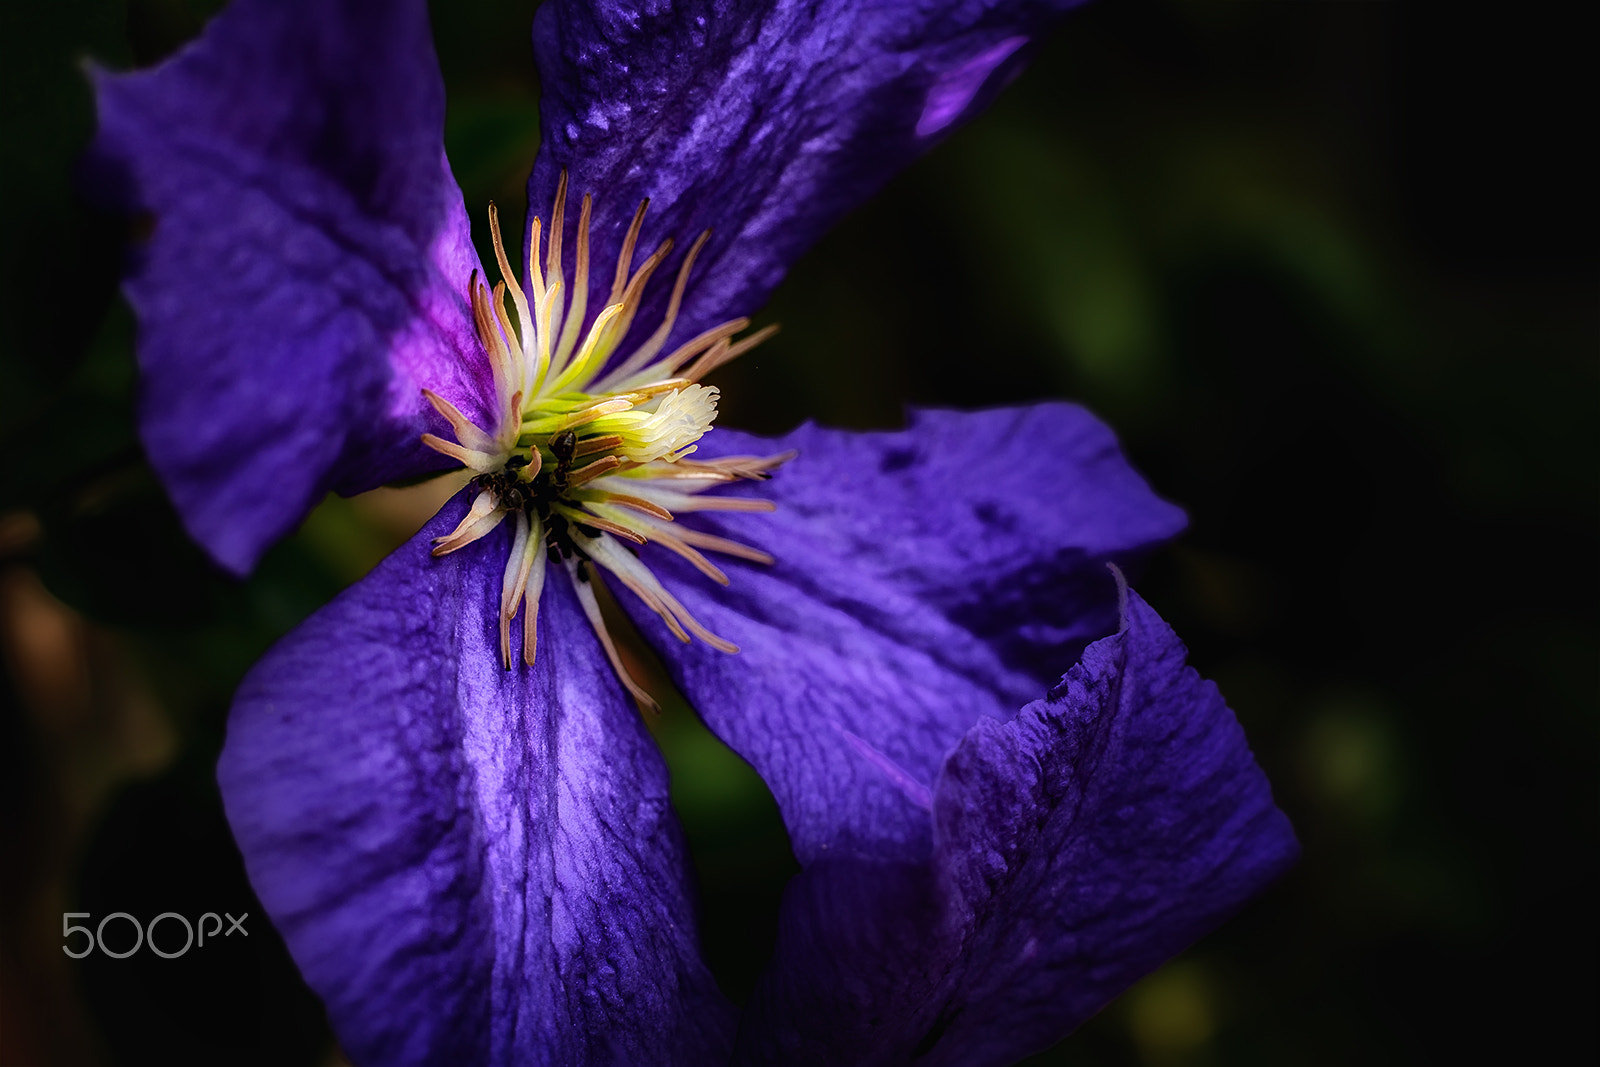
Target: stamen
{"type": "Point", "coordinates": [625, 257]}
{"type": "Point", "coordinates": [669, 385]}
{"type": "Point", "coordinates": [662, 534]}
{"type": "Point", "coordinates": [512, 585]}
{"type": "Point", "coordinates": [694, 346]}
{"type": "Point", "coordinates": [482, 462]}
{"type": "Point", "coordinates": [512, 340]}
{"type": "Point", "coordinates": [535, 274]}
{"type": "Point", "coordinates": [626, 501]}
{"type": "Point", "coordinates": [703, 565]}
{"type": "Point", "coordinates": [558, 220]}
{"type": "Point", "coordinates": [658, 472]}
{"type": "Point", "coordinates": [591, 608]}
{"type": "Point", "coordinates": [484, 322]}
{"type": "Point", "coordinates": [534, 590]}
{"type": "Point", "coordinates": [650, 597]}
{"type": "Point", "coordinates": [580, 288]}
{"type": "Point", "coordinates": [542, 363]}
{"type": "Point", "coordinates": [523, 583]}
{"type": "Point", "coordinates": [692, 536]}
{"type": "Point", "coordinates": [591, 445]}
{"type": "Point", "coordinates": [755, 467]}
{"type": "Point", "coordinates": [647, 351]}
{"type": "Point", "coordinates": [638, 578]}
{"type": "Point", "coordinates": [589, 355]}
{"type": "Point", "coordinates": [554, 424]}
{"type": "Point", "coordinates": [631, 430]}
{"type": "Point", "coordinates": [524, 319]}
{"type": "Point", "coordinates": [723, 353]}
{"type": "Point", "coordinates": [724, 468]}
{"type": "Point", "coordinates": [484, 515]}
{"type": "Point", "coordinates": [603, 465]}
{"type": "Point", "coordinates": [589, 518]}
{"type": "Point", "coordinates": [467, 433]}
{"type": "Point", "coordinates": [675, 501]}
{"type": "Point", "coordinates": [631, 298]}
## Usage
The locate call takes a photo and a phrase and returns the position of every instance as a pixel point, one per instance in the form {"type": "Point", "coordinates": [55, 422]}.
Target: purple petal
{"type": "Point", "coordinates": [308, 266]}
{"type": "Point", "coordinates": [925, 579]}
{"type": "Point", "coordinates": [470, 865]}
{"type": "Point", "coordinates": [765, 120]}
{"type": "Point", "coordinates": [1076, 847]}
{"type": "Point", "coordinates": [954, 91]}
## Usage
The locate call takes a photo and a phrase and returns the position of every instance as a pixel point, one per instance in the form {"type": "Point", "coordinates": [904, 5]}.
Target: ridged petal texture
{"type": "Point", "coordinates": [306, 274]}
{"type": "Point", "coordinates": [1076, 848]}
{"type": "Point", "coordinates": [763, 120]}
{"type": "Point", "coordinates": [976, 882]}
{"type": "Point", "coordinates": [474, 865]}
{"type": "Point", "coordinates": [307, 267]}
{"type": "Point", "coordinates": [925, 579]}
{"type": "Point", "coordinates": [470, 865]}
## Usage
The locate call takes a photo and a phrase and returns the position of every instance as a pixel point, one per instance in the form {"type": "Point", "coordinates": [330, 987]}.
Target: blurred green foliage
{"type": "Point", "coordinates": [1329, 269]}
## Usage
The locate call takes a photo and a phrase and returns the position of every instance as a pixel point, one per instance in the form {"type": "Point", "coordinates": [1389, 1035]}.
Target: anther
{"type": "Point", "coordinates": [629, 421]}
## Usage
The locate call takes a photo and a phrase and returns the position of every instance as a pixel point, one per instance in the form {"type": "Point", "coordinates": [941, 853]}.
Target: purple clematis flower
{"type": "Point", "coordinates": [459, 823]}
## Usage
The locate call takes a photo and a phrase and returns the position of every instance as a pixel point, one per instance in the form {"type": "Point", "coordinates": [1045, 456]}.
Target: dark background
{"type": "Point", "coordinates": [1329, 269]}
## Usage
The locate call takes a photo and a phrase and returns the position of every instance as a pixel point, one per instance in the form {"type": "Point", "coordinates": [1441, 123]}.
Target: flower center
{"type": "Point", "coordinates": [587, 456]}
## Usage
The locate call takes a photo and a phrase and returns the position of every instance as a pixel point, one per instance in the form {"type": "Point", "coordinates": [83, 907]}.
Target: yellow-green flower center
{"type": "Point", "coordinates": [588, 450]}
